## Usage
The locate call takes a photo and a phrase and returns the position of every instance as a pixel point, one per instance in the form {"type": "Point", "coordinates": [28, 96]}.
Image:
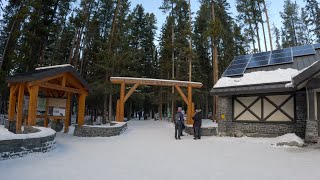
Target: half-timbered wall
{"type": "Point", "coordinates": [266, 108]}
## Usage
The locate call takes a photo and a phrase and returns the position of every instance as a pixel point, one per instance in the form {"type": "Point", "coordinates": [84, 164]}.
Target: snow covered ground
{"type": "Point", "coordinates": [148, 151]}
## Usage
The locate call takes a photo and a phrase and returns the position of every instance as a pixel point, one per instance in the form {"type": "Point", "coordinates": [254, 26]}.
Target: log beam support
{"type": "Point", "coordinates": [81, 108]}
{"type": "Point", "coordinates": [68, 113]}
{"type": "Point", "coordinates": [185, 99]}
{"type": "Point", "coordinates": [32, 112]}
{"type": "Point", "coordinates": [122, 94]}
{"type": "Point", "coordinates": [12, 102]}
{"type": "Point", "coordinates": [189, 111]}
{"type": "Point", "coordinates": [20, 108]}
{"type": "Point", "coordinates": [130, 92]}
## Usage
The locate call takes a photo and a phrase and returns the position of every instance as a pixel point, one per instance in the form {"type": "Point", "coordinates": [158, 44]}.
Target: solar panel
{"type": "Point", "coordinates": [259, 60]}
{"type": "Point", "coordinates": [303, 50]}
{"type": "Point", "coordinates": [237, 66]}
{"type": "Point", "coordinates": [281, 56]}
{"type": "Point", "coordinates": [316, 46]}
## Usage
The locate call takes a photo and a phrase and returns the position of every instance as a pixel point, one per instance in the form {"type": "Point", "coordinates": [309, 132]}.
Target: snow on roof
{"type": "Point", "coordinates": [7, 135]}
{"type": "Point", "coordinates": [56, 66]}
{"type": "Point", "coordinates": [258, 77]}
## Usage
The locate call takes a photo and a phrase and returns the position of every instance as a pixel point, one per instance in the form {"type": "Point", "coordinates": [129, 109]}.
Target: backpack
{"type": "Point", "coordinates": [177, 118]}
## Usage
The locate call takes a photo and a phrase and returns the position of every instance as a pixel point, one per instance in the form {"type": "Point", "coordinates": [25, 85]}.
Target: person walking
{"type": "Point", "coordinates": [197, 121]}
{"type": "Point", "coordinates": [178, 123]}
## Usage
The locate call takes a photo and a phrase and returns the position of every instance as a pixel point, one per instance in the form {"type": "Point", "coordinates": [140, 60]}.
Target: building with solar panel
{"type": "Point", "coordinates": [271, 94]}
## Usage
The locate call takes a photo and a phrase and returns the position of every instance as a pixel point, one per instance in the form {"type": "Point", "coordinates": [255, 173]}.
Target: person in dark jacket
{"type": "Point", "coordinates": [178, 124]}
{"type": "Point", "coordinates": [197, 121]}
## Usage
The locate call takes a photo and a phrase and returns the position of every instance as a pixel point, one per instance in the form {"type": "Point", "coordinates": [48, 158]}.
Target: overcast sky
{"type": "Point", "coordinates": [274, 7]}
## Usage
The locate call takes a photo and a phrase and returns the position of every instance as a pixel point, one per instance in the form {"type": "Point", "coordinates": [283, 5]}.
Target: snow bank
{"type": "Point", "coordinates": [117, 124]}
{"type": "Point", "coordinates": [259, 77]}
{"type": "Point", "coordinates": [7, 135]}
{"type": "Point", "coordinates": [208, 123]}
{"type": "Point", "coordinates": [290, 139]}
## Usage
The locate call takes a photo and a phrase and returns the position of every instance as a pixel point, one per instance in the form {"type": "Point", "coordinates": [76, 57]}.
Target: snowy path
{"type": "Point", "coordinates": [148, 151]}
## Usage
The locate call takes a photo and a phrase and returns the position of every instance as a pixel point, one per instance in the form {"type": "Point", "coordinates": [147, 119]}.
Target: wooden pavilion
{"type": "Point", "coordinates": [155, 82]}
{"type": "Point", "coordinates": [60, 81]}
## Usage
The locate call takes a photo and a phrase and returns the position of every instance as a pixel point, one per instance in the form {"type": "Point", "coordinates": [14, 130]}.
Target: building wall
{"type": "Point", "coordinates": [269, 129]}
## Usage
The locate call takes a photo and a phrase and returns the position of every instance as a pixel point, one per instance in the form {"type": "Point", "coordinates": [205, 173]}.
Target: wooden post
{"type": "Point", "coordinates": [81, 108]}
{"type": "Point", "coordinates": [20, 108]}
{"type": "Point", "coordinates": [12, 103]}
{"type": "Point", "coordinates": [32, 112]}
{"type": "Point", "coordinates": [46, 120]}
{"type": "Point", "coordinates": [189, 112]}
{"type": "Point", "coordinates": [68, 113]}
{"type": "Point", "coordinates": [118, 111]}
{"type": "Point", "coordinates": [122, 94]}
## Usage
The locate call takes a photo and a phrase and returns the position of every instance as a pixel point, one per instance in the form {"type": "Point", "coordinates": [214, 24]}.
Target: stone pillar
{"type": "Point", "coordinates": [311, 123]}
{"type": "Point", "coordinates": [225, 114]}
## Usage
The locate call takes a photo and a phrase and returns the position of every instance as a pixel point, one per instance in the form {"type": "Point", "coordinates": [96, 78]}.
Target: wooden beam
{"type": "Point", "coordinates": [122, 93]}
{"type": "Point", "coordinates": [46, 120]}
{"type": "Point", "coordinates": [74, 82]}
{"type": "Point", "coordinates": [32, 112]}
{"type": "Point", "coordinates": [60, 88]}
{"type": "Point", "coordinates": [182, 94]}
{"type": "Point", "coordinates": [20, 108]}
{"type": "Point", "coordinates": [12, 103]}
{"type": "Point", "coordinates": [118, 111]}
{"type": "Point", "coordinates": [51, 117]}
{"type": "Point", "coordinates": [189, 110]}
{"type": "Point", "coordinates": [156, 82]}
{"type": "Point", "coordinates": [68, 113]}
{"type": "Point", "coordinates": [130, 92]}
{"type": "Point", "coordinates": [45, 79]}
{"type": "Point", "coordinates": [81, 108]}
{"type": "Point", "coordinates": [64, 79]}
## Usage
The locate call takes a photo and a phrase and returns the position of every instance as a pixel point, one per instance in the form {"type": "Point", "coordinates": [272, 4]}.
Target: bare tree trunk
{"type": "Point", "coordinates": [268, 23]}
{"type": "Point", "coordinates": [172, 58]}
{"type": "Point", "coordinates": [263, 31]}
{"type": "Point", "coordinates": [207, 106]}
{"type": "Point", "coordinates": [252, 34]}
{"type": "Point", "coordinates": [110, 107]}
{"type": "Point", "coordinates": [7, 43]}
{"type": "Point", "coordinates": [190, 44]}
{"type": "Point", "coordinates": [160, 104]}
{"type": "Point", "coordinates": [258, 36]}
{"type": "Point", "coordinates": [130, 110]}
{"type": "Point", "coordinates": [112, 35]}
{"type": "Point", "coordinates": [214, 50]}
{"type": "Point", "coordinates": [105, 107]}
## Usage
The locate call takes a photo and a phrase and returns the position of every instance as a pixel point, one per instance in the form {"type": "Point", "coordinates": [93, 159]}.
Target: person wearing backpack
{"type": "Point", "coordinates": [197, 122]}
{"type": "Point", "coordinates": [178, 124]}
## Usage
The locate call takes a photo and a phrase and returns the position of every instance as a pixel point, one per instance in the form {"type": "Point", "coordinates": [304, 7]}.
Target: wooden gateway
{"type": "Point", "coordinates": [155, 82]}
{"type": "Point", "coordinates": [60, 81]}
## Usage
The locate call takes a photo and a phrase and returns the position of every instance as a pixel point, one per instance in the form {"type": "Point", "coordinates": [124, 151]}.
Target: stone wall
{"type": "Point", "coordinates": [265, 129]}
{"type": "Point", "coordinates": [114, 129]}
{"type": "Point", "coordinates": [205, 131]}
{"type": "Point", "coordinates": [20, 147]}
{"type": "Point", "coordinates": [312, 131]}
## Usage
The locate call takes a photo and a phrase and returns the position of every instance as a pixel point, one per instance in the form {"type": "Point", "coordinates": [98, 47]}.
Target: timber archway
{"type": "Point", "coordinates": [123, 81]}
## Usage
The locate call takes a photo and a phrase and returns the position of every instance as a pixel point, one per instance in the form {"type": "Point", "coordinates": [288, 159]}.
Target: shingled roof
{"type": "Point", "coordinates": [44, 72]}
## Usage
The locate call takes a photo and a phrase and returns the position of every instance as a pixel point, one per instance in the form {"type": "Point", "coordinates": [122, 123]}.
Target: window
{"type": "Point", "coordinates": [273, 108]}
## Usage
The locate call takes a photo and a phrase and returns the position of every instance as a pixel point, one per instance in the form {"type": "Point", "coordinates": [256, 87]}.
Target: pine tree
{"type": "Point", "coordinates": [276, 33]}
{"type": "Point", "coordinates": [312, 17]}
{"type": "Point", "coordinates": [246, 19]}
{"type": "Point", "coordinates": [290, 17]}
